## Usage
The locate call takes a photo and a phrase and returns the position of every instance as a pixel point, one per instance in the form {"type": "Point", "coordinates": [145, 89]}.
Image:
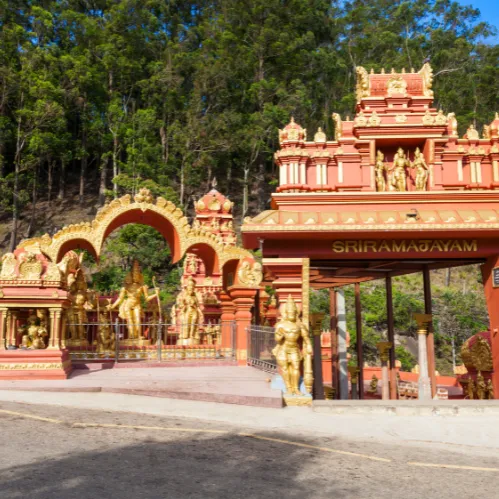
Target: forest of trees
{"type": "Point", "coordinates": [102, 96]}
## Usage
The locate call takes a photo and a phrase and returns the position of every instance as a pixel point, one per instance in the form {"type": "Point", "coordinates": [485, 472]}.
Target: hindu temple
{"type": "Point", "coordinates": [396, 191]}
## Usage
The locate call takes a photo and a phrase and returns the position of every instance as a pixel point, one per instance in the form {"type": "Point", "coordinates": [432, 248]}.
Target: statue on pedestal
{"type": "Point", "coordinates": [398, 177]}
{"type": "Point", "coordinates": [35, 332]}
{"type": "Point", "coordinates": [379, 172]}
{"type": "Point", "coordinates": [129, 301]}
{"type": "Point", "coordinates": [190, 313]}
{"type": "Point", "coordinates": [106, 339]}
{"type": "Point", "coordinates": [419, 164]}
{"type": "Point", "coordinates": [288, 332]}
{"type": "Point", "coordinates": [77, 314]}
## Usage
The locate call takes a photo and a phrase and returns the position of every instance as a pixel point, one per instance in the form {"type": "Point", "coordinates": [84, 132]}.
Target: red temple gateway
{"type": "Point", "coordinates": [397, 191]}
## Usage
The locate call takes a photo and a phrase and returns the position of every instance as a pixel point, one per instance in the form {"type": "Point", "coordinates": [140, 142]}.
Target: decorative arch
{"type": "Point", "coordinates": [158, 213]}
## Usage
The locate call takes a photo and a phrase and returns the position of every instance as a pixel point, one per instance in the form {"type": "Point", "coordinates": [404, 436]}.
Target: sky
{"type": "Point", "coordinates": [488, 8]}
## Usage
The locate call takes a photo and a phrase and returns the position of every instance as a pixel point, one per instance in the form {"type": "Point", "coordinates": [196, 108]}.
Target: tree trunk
{"type": "Point", "coordinates": [182, 184]}
{"type": "Point", "coordinates": [62, 181]}
{"type": "Point", "coordinates": [115, 163]}
{"type": "Point", "coordinates": [31, 225]}
{"type": "Point", "coordinates": [103, 179]}
{"type": "Point", "coordinates": [245, 193]}
{"type": "Point", "coordinates": [83, 171]}
{"type": "Point", "coordinates": [50, 180]}
{"type": "Point", "coordinates": [260, 188]}
{"type": "Point", "coordinates": [447, 277]}
{"type": "Point", "coordinates": [15, 189]}
{"type": "Point", "coordinates": [164, 143]}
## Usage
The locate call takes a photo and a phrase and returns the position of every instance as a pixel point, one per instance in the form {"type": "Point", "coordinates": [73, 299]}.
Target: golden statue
{"type": "Point", "coordinates": [419, 164]}
{"type": "Point", "coordinates": [398, 181]}
{"type": "Point", "coordinates": [190, 313]}
{"type": "Point", "coordinates": [105, 342]}
{"type": "Point", "coordinates": [129, 301]}
{"type": "Point", "coordinates": [471, 389]}
{"type": "Point", "coordinates": [379, 172]}
{"type": "Point", "coordinates": [490, 390]}
{"type": "Point", "coordinates": [77, 314]}
{"type": "Point", "coordinates": [481, 387]}
{"type": "Point", "coordinates": [288, 332]}
{"type": "Point", "coordinates": [35, 333]}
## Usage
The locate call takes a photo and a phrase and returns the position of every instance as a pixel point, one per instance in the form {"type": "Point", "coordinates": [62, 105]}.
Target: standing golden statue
{"type": "Point", "coordinates": [379, 172]}
{"type": "Point", "coordinates": [398, 180]}
{"type": "Point", "coordinates": [191, 315]}
{"type": "Point", "coordinates": [288, 332]}
{"type": "Point", "coordinates": [77, 314]}
{"type": "Point", "coordinates": [105, 342]}
{"type": "Point", "coordinates": [419, 164]}
{"type": "Point", "coordinates": [129, 301]}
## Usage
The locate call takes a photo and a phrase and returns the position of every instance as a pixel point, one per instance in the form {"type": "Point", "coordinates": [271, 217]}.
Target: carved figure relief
{"type": "Point", "coordinates": [380, 172]}
{"type": "Point", "coordinates": [398, 172]}
{"type": "Point", "coordinates": [419, 164]}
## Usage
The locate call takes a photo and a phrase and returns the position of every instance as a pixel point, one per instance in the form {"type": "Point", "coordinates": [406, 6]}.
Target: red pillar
{"type": "Point", "coordinates": [430, 342]}
{"type": "Point", "coordinates": [243, 299]}
{"type": "Point", "coordinates": [226, 322]}
{"type": "Point", "coordinates": [492, 298]}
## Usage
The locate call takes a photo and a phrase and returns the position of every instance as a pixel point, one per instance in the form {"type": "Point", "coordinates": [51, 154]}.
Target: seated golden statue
{"type": "Point", "coordinates": [288, 332]}
{"type": "Point", "coordinates": [129, 301]}
{"type": "Point", "coordinates": [190, 314]}
{"type": "Point", "coordinates": [35, 333]}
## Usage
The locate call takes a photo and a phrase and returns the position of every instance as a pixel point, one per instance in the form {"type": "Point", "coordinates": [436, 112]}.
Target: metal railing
{"type": "Point", "coordinates": [261, 341]}
{"type": "Point", "coordinates": [151, 341]}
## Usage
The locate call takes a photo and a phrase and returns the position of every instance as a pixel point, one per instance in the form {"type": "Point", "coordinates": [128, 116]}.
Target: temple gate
{"type": "Point", "coordinates": [396, 191]}
{"type": "Point", "coordinates": [43, 289]}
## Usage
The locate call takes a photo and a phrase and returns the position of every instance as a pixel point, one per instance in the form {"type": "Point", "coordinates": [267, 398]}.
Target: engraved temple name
{"type": "Point", "coordinates": [418, 246]}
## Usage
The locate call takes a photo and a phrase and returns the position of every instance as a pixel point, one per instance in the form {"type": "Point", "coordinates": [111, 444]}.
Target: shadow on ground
{"type": "Point", "coordinates": [191, 466]}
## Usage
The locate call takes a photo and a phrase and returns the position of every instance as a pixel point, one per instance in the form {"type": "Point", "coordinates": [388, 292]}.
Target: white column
{"type": "Point", "coordinates": [303, 176]}
{"type": "Point", "coordinates": [424, 385]}
{"type": "Point", "coordinates": [283, 177]}
{"type": "Point", "coordinates": [460, 170]}
{"type": "Point", "coordinates": [318, 173]}
{"type": "Point", "coordinates": [473, 172]}
{"type": "Point", "coordinates": [324, 174]}
{"type": "Point", "coordinates": [342, 343]}
{"type": "Point", "coordinates": [340, 172]}
{"type": "Point", "coordinates": [478, 167]}
{"type": "Point", "coordinates": [495, 168]}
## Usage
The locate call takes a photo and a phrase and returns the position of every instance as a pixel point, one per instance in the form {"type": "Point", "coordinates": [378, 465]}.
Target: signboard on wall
{"type": "Point", "coordinates": [495, 277]}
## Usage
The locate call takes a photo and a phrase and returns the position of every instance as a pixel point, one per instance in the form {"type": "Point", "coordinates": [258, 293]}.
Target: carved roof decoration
{"type": "Point", "coordinates": [213, 202]}
{"type": "Point", "coordinates": [92, 235]}
{"type": "Point", "coordinates": [292, 133]}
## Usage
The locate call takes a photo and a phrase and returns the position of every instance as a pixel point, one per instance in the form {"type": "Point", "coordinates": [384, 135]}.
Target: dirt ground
{"type": "Point", "coordinates": [55, 452]}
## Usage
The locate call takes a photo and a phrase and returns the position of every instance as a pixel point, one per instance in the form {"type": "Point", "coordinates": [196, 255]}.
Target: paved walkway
{"type": "Point", "coordinates": [224, 384]}
{"type": "Point", "coordinates": [472, 435]}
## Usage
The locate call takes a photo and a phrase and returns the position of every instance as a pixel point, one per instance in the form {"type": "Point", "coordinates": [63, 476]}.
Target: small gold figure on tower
{"type": "Point", "coordinates": [419, 164]}
{"type": "Point", "coordinates": [398, 181]}
{"type": "Point", "coordinates": [379, 172]}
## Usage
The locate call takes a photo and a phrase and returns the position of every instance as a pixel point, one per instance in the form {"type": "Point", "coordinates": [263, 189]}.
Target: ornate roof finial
{"type": "Point", "coordinates": [382, 71]}
{"type": "Point", "coordinates": [393, 71]}
{"type": "Point", "coordinates": [403, 71]}
{"type": "Point", "coordinates": [413, 70]}
{"type": "Point", "coordinates": [214, 183]}
{"type": "Point", "coordinates": [320, 136]}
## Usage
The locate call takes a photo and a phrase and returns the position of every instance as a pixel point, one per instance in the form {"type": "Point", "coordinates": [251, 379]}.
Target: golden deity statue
{"type": "Point", "coordinates": [379, 172]}
{"type": "Point", "coordinates": [77, 314]}
{"type": "Point", "coordinates": [398, 180]}
{"type": "Point", "coordinates": [288, 331]}
{"type": "Point", "coordinates": [129, 301]}
{"type": "Point", "coordinates": [190, 314]}
{"type": "Point", "coordinates": [481, 387]}
{"type": "Point", "coordinates": [35, 332]}
{"type": "Point", "coordinates": [105, 342]}
{"type": "Point", "coordinates": [419, 164]}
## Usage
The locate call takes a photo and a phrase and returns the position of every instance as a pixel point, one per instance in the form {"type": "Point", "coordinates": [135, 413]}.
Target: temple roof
{"type": "Point", "coordinates": [212, 203]}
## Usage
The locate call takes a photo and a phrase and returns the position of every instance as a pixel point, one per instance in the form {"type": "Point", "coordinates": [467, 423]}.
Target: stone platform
{"type": "Point", "coordinates": [225, 384]}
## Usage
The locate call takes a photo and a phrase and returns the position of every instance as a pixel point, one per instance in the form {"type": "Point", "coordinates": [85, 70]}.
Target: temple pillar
{"type": "Point", "coordinates": [3, 324]}
{"type": "Point", "coordinates": [391, 337]}
{"type": "Point", "coordinates": [334, 343]}
{"type": "Point", "coordinates": [360, 349]}
{"type": "Point", "coordinates": [384, 348]}
{"type": "Point", "coordinates": [424, 385]}
{"type": "Point", "coordinates": [243, 299]}
{"type": "Point", "coordinates": [227, 322]}
{"type": "Point", "coordinates": [491, 288]}
{"type": "Point", "coordinates": [55, 329]}
{"type": "Point", "coordinates": [12, 316]}
{"type": "Point", "coordinates": [430, 342]}
{"type": "Point", "coordinates": [341, 324]}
